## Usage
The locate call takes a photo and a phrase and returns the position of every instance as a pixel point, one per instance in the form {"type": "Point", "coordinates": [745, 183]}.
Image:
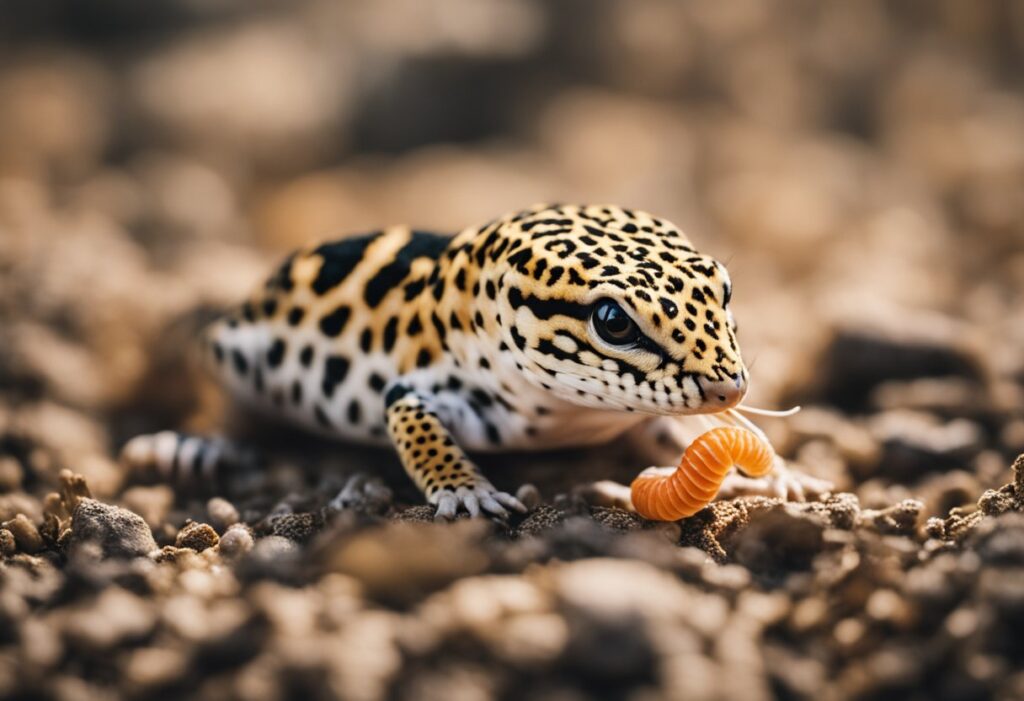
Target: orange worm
{"type": "Point", "coordinates": [699, 476]}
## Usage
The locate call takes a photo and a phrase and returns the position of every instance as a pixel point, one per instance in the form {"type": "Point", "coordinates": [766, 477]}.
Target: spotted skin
{"type": "Point", "coordinates": [486, 341]}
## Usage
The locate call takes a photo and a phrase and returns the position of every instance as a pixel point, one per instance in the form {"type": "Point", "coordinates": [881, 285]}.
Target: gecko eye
{"type": "Point", "coordinates": [613, 324]}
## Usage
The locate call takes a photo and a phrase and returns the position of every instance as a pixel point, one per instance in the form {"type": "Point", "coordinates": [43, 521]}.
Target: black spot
{"type": "Point", "coordinates": [376, 382]}
{"type": "Point", "coordinates": [276, 353]}
{"type": "Point", "coordinates": [423, 358]}
{"type": "Point", "coordinates": [354, 411]}
{"type": "Point", "coordinates": [454, 383]}
{"type": "Point", "coordinates": [520, 340]}
{"type": "Point", "coordinates": [478, 319]}
{"type": "Point", "coordinates": [438, 289]}
{"type": "Point", "coordinates": [269, 307]}
{"type": "Point", "coordinates": [306, 356]}
{"type": "Point", "coordinates": [491, 291]}
{"type": "Point", "coordinates": [482, 397]}
{"type": "Point", "coordinates": [539, 268]}
{"type": "Point", "coordinates": [335, 370]}
{"type": "Point", "coordinates": [239, 361]}
{"type": "Point", "coordinates": [689, 324]}
{"type": "Point", "coordinates": [485, 363]}
{"type": "Point", "coordinates": [698, 295]}
{"type": "Point", "coordinates": [460, 279]}
{"type": "Point", "coordinates": [296, 392]}
{"type": "Point", "coordinates": [248, 312]}
{"type": "Point", "coordinates": [419, 245]}
{"type": "Point", "coordinates": [339, 259]}
{"type": "Point", "coordinates": [492, 433]}
{"type": "Point", "coordinates": [438, 326]}
{"type": "Point", "coordinates": [295, 315]}
{"type": "Point", "coordinates": [390, 334]}
{"type": "Point", "coordinates": [366, 339]}
{"type": "Point", "coordinates": [394, 394]}
{"type": "Point", "coordinates": [334, 323]}
{"type": "Point", "coordinates": [282, 278]}
{"type": "Point", "coordinates": [415, 326]}
{"type": "Point", "coordinates": [454, 322]}
{"type": "Point", "coordinates": [414, 288]}
{"type": "Point", "coordinates": [669, 307]}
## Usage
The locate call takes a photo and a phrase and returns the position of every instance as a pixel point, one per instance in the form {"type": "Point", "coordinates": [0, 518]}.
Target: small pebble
{"type": "Point", "coordinates": [222, 512]}
{"type": "Point", "coordinates": [25, 534]}
{"type": "Point", "coordinates": [529, 495]}
{"type": "Point", "coordinates": [119, 532]}
{"type": "Point", "coordinates": [236, 541]}
{"type": "Point", "coordinates": [10, 474]}
{"type": "Point", "coordinates": [197, 536]}
{"type": "Point", "coordinates": [8, 546]}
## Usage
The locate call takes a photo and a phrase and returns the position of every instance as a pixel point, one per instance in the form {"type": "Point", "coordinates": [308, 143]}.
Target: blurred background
{"type": "Point", "coordinates": [858, 165]}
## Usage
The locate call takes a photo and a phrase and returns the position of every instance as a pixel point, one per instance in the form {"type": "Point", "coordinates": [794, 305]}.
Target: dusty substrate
{"type": "Point", "coordinates": [749, 599]}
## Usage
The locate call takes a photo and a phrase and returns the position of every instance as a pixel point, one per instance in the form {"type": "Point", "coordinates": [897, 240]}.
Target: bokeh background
{"type": "Point", "coordinates": [858, 165]}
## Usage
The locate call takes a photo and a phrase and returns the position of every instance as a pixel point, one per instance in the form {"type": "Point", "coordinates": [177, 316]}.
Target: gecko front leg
{"type": "Point", "coordinates": [435, 463]}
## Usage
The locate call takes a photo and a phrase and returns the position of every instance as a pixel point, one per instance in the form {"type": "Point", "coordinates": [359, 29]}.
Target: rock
{"type": "Point", "coordinates": [114, 616]}
{"type": "Point", "coordinates": [25, 533]}
{"type": "Point", "coordinates": [529, 495]}
{"type": "Point", "coordinates": [899, 519]}
{"type": "Point", "coordinates": [541, 519]}
{"type": "Point", "coordinates": [222, 512]}
{"type": "Point", "coordinates": [153, 503]}
{"type": "Point", "coordinates": [197, 536]}
{"type": "Point", "coordinates": [782, 538]}
{"type": "Point", "coordinates": [297, 527]}
{"type": "Point", "coordinates": [118, 532]}
{"type": "Point", "coordinates": [860, 359]}
{"type": "Point", "coordinates": [236, 541]}
{"type": "Point", "coordinates": [8, 545]}
{"type": "Point", "coordinates": [10, 474]}
{"type": "Point", "coordinates": [914, 444]}
{"type": "Point", "coordinates": [402, 561]}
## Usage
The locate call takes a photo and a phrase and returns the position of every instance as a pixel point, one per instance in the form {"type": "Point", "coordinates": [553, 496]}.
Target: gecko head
{"type": "Point", "coordinates": [614, 309]}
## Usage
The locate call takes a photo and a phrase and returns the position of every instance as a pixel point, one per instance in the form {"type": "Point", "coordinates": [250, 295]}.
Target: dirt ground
{"type": "Point", "coordinates": [860, 167]}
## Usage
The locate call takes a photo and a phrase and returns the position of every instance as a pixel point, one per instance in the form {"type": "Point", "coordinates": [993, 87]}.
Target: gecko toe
{"type": "Point", "coordinates": [509, 501]}
{"type": "Point", "coordinates": [447, 506]}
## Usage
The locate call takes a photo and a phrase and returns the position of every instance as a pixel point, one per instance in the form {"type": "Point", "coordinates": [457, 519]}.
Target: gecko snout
{"type": "Point", "coordinates": [726, 393]}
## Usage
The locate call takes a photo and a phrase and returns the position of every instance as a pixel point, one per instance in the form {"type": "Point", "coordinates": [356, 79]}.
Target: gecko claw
{"type": "Point", "coordinates": [481, 500]}
{"type": "Point", "coordinates": [447, 506]}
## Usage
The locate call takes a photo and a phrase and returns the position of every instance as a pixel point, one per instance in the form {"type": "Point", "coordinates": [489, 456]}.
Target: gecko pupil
{"type": "Point", "coordinates": [613, 324]}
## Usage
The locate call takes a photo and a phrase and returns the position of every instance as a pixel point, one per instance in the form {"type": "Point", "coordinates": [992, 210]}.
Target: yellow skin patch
{"type": "Point", "coordinates": [554, 326]}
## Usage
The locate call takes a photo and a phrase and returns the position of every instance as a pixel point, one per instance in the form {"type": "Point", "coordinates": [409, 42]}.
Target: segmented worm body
{"type": "Point", "coordinates": [692, 486]}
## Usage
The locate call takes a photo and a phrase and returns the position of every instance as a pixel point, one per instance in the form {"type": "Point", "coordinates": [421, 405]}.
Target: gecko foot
{"type": "Point", "coordinates": [361, 491]}
{"type": "Point", "coordinates": [783, 483]}
{"type": "Point", "coordinates": [483, 498]}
